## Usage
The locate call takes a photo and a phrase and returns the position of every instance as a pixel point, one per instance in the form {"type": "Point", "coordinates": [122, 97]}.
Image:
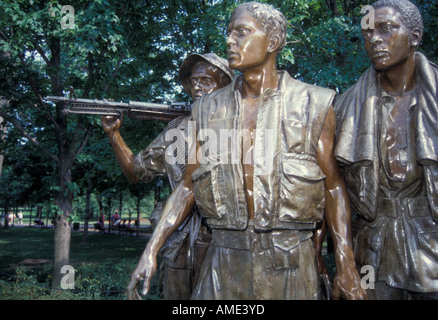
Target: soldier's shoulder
{"type": "Point", "coordinates": [434, 66]}
{"type": "Point", "coordinates": [312, 88]}
{"type": "Point", "coordinates": [219, 93]}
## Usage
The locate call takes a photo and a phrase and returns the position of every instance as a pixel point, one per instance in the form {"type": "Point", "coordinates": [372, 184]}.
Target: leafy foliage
{"type": "Point", "coordinates": [429, 44]}
{"type": "Point", "coordinates": [102, 267]}
{"type": "Point", "coordinates": [105, 281]}
{"type": "Point", "coordinates": [131, 50]}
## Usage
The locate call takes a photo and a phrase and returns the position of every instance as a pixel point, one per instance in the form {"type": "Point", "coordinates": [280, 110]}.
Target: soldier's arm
{"type": "Point", "coordinates": [111, 126]}
{"type": "Point", "coordinates": [144, 166]}
{"type": "Point", "coordinates": [318, 240]}
{"type": "Point", "coordinates": [338, 215]}
{"type": "Point", "coordinates": [177, 209]}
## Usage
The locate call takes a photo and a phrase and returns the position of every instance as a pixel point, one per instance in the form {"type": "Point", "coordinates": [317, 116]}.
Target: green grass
{"type": "Point", "coordinates": [102, 266]}
{"type": "Point", "coordinates": [18, 244]}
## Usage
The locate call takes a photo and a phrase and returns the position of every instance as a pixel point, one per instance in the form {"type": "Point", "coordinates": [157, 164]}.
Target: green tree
{"type": "Point", "coordinates": [45, 59]}
{"type": "Point", "coordinates": [131, 50]}
{"type": "Point", "coordinates": [118, 49]}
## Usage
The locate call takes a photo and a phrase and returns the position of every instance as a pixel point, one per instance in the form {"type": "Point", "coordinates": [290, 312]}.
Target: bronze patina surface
{"type": "Point", "coordinates": [263, 194]}
{"type": "Point", "coordinates": [184, 252]}
{"type": "Point", "coordinates": [387, 144]}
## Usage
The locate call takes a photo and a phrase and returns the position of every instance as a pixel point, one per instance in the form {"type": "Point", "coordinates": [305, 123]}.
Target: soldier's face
{"type": "Point", "coordinates": [203, 80]}
{"type": "Point", "coordinates": [247, 43]}
{"type": "Point", "coordinates": [389, 43]}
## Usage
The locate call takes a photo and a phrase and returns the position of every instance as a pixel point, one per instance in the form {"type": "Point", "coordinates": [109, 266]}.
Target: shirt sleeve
{"type": "Point", "coordinates": [151, 161]}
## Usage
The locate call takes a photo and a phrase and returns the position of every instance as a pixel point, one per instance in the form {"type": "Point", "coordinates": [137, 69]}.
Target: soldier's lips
{"type": "Point", "coordinates": [379, 54]}
{"type": "Point", "coordinates": [197, 96]}
{"type": "Point", "coordinates": [232, 54]}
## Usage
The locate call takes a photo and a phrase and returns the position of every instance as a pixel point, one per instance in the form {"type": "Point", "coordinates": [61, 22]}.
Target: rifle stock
{"type": "Point", "coordinates": [134, 109]}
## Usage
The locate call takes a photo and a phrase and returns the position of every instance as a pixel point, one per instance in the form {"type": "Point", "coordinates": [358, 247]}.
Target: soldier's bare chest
{"type": "Point", "coordinates": [250, 108]}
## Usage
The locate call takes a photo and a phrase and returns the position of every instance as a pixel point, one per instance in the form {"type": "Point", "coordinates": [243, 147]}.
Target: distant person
{"type": "Point", "coordinates": [102, 219]}
{"type": "Point", "coordinates": [117, 219]}
{"type": "Point", "coordinates": [11, 217]}
{"type": "Point", "coordinates": [20, 217]}
{"type": "Point", "coordinates": [129, 227]}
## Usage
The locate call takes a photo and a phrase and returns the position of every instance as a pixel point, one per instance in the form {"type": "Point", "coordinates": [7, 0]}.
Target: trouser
{"type": "Point", "coordinates": [382, 291]}
{"type": "Point", "coordinates": [179, 277]}
{"type": "Point", "coordinates": [250, 265]}
{"type": "Point", "coordinates": [176, 283]}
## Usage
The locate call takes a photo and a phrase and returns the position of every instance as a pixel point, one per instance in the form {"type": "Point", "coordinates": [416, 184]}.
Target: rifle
{"type": "Point", "coordinates": [134, 109]}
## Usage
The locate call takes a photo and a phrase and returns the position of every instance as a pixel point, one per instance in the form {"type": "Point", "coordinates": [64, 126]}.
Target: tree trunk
{"type": "Point", "coordinates": [138, 215]}
{"type": "Point", "coordinates": [121, 201]}
{"type": "Point", "coordinates": [3, 102]}
{"type": "Point", "coordinates": [47, 219]}
{"type": "Point", "coordinates": [333, 6]}
{"type": "Point", "coordinates": [1, 162]}
{"type": "Point", "coordinates": [108, 210]}
{"type": "Point", "coordinates": [62, 248]}
{"type": "Point", "coordinates": [348, 8]}
{"type": "Point", "coordinates": [6, 213]}
{"type": "Point", "coordinates": [30, 215]}
{"type": "Point", "coordinates": [87, 211]}
{"type": "Point", "coordinates": [62, 225]}
{"type": "Point", "coordinates": [39, 212]}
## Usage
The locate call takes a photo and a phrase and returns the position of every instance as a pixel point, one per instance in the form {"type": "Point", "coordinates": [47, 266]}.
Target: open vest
{"type": "Point", "coordinates": [357, 148]}
{"type": "Point", "coordinates": [288, 184]}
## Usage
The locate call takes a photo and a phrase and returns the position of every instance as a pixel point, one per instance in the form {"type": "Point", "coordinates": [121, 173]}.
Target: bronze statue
{"type": "Point", "coordinates": [263, 193]}
{"type": "Point", "coordinates": [387, 144]}
{"type": "Point", "coordinates": [199, 74]}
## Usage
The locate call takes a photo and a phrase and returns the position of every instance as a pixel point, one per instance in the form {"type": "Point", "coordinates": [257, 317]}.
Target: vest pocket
{"type": "Point", "coordinates": [427, 251]}
{"type": "Point", "coordinates": [362, 187]}
{"type": "Point", "coordinates": [302, 192]}
{"type": "Point", "coordinates": [295, 132]}
{"type": "Point", "coordinates": [206, 186]}
{"type": "Point", "coordinates": [368, 247]}
{"type": "Point", "coordinates": [285, 249]}
{"type": "Point", "coordinates": [431, 176]}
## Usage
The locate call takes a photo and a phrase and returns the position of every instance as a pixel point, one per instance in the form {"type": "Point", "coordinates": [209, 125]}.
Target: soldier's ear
{"type": "Point", "coordinates": [416, 36]}
{"type": "Point", "coordinates": [274, 43]}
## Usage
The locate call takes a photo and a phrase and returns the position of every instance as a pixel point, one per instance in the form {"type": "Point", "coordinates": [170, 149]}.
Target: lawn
{"type": "Point", "coordinates": [102, 266]}
{"type": "Point", "coordinates": [18, 244]}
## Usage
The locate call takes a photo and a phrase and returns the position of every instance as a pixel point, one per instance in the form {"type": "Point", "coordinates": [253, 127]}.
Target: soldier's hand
{"type": "Point", "coordinates": [347, 285]}
{"type": "Point", "coordinates": [111, 123]}
{"type": "Point", "coordinates": [145, 270]}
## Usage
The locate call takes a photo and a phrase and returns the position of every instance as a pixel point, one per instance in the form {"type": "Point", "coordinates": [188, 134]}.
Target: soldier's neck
{"type": "Point", "coordinates": [257, 80]}
{"type": "Point", "coordinates": [400, 78]}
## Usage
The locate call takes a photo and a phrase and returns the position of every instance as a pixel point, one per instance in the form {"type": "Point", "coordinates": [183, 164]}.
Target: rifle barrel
{"type": "Point", "coordinates": [88, 102]}
{"type": "Point", "coordinates": [136, 109]}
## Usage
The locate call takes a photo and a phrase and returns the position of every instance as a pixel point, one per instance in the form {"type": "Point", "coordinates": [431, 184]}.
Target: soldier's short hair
{"type": "Point", "coordinates": [410, 13]}
{"type": "Point", "coordinates": [271, 19]}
